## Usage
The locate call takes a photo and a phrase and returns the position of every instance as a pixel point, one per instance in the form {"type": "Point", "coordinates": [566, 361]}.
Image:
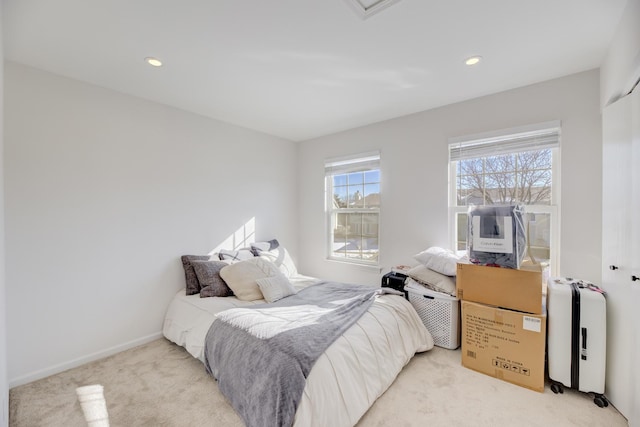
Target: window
{"type": "Point", "coordinates": [353, 208]}
{"type": "Point", "coordinates": [514, 166]}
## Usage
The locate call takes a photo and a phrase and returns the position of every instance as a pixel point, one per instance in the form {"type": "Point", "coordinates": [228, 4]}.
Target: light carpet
{"type": "Point", "coordinates": [160, 384]}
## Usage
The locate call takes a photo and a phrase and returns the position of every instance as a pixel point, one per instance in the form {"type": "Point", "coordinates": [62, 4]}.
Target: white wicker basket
{"type": "Point", "coordinates": [439, 312]}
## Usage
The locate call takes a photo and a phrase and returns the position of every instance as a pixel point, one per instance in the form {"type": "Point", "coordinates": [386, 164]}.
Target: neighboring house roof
{"type": "Point", "coordinates": [371, 200]}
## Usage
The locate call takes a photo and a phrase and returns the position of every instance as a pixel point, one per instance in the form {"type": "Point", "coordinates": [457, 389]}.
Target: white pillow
{"type": "Point", "coordinates": [264, 246]}
{"type": "Point", "coordinates": [439, 259]}
{"type": "Point", "coordinates": [241, 277]}
{"type": "Point", "coordinates": [275, 287]}
{"type": "Point", "coordinates": [239, 255]}
{"type": "Point", "coordinates": [280, 257]}
{"type": "Point", "coordinates": [433, 280]}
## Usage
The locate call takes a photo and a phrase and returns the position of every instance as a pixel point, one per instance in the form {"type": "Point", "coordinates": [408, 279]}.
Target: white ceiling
{"type": "Point", "coordinates": [300, 69]}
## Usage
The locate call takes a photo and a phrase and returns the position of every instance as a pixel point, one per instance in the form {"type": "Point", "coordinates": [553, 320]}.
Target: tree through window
{"type": "Point", "coordinates": [523, 177]}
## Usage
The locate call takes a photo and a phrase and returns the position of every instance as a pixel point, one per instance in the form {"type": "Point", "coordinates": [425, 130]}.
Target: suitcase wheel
{"type": "Point", "coordinates": [557, 388]}
{"type": "Point", "coordinates": [601, 401]}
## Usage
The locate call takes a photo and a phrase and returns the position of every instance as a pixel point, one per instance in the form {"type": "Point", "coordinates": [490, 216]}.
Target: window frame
{"type": "Point", "coordinates": [362, 162]}
{"type": "Point", "coordinates": [498, 137]}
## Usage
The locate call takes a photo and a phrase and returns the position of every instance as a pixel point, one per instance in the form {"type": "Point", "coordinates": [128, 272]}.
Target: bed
{"type": "Point", "coordinates": [348, 376]}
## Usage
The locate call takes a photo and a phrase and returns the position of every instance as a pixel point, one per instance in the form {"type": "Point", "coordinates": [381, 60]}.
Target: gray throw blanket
{"type": "Point", "coordinates": [261, 355]}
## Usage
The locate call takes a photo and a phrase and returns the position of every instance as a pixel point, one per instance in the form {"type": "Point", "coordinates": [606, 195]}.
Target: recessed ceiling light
{"type": "Point", "coordinates": [153, 61]}
{"type": "Point", "coordinates": [473, 60]}
{"type": "Point", "coordinates": [366, 8]}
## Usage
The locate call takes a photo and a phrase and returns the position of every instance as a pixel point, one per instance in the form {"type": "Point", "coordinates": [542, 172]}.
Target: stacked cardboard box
{"type": "Point", "coordinates": [503, 331]}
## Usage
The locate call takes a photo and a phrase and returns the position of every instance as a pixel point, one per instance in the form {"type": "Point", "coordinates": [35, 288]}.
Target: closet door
{"type": "Point", "coordinates": [634, 417]}
{"type": "Point", "coordinates": [616, 251]}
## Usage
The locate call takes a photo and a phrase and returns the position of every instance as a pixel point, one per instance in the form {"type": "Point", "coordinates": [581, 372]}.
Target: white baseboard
{"type": "Point", "coordinates": [33, 376]}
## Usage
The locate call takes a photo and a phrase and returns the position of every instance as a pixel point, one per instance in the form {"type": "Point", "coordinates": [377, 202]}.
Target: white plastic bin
{"type": "Point", "coordinates": [439, 312]}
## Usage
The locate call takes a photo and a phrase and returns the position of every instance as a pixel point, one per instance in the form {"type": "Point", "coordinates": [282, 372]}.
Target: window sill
{"type": "Point", "coordinates": [370, 268]}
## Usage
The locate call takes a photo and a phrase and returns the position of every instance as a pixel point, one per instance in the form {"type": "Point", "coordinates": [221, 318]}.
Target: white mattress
{"type": "Point", "coordinates": [351, 374]}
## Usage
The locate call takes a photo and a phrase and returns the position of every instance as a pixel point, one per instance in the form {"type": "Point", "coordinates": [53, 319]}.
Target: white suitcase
{"type": "Point", "coordinates": [576, 334]}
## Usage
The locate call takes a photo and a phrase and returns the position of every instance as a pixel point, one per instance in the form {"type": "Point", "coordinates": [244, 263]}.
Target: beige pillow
{"type": "Point", "coordinates": [433, 280]}
{"type": "Point", "coordinates": [275, 287]}
{"type": "Point", "coordinates": [241, 277]}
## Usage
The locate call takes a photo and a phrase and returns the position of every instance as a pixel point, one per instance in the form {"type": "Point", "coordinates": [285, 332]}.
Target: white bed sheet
{"type": "Point", "coordinates": [350, 375]}
{"type": "Point", "coordinates": [189, 317]}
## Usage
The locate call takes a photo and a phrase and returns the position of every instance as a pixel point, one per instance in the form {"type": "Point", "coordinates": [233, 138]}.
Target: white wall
{"type": "Point", "coordinates": [621, 67]}
{"type": "Point", "coordinates": [414, 168]}
{"type": "Point", "coordinates": [104, 192]}
{"type": "Point", "coordinates": [4, 385]}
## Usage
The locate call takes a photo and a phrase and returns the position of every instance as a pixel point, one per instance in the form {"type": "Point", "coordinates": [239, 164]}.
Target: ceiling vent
{"type": "Point", "coordinates": [366, 8]}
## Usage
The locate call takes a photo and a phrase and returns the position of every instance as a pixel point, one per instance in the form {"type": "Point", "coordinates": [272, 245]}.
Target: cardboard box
{"type": "Point", "coordinates": [504, 344]}
{"type": "Point", "coordinates": [501, 287]}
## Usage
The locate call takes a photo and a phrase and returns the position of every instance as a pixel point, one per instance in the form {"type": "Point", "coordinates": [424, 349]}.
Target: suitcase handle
{"type": "Point", "coordinates": [583, 356]}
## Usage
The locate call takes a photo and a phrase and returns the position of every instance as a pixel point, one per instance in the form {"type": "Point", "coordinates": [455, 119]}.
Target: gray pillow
{"type": "Point", "coordinates": [192, 285]}
{"type": "Point", "coordinates": [211, 283]}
